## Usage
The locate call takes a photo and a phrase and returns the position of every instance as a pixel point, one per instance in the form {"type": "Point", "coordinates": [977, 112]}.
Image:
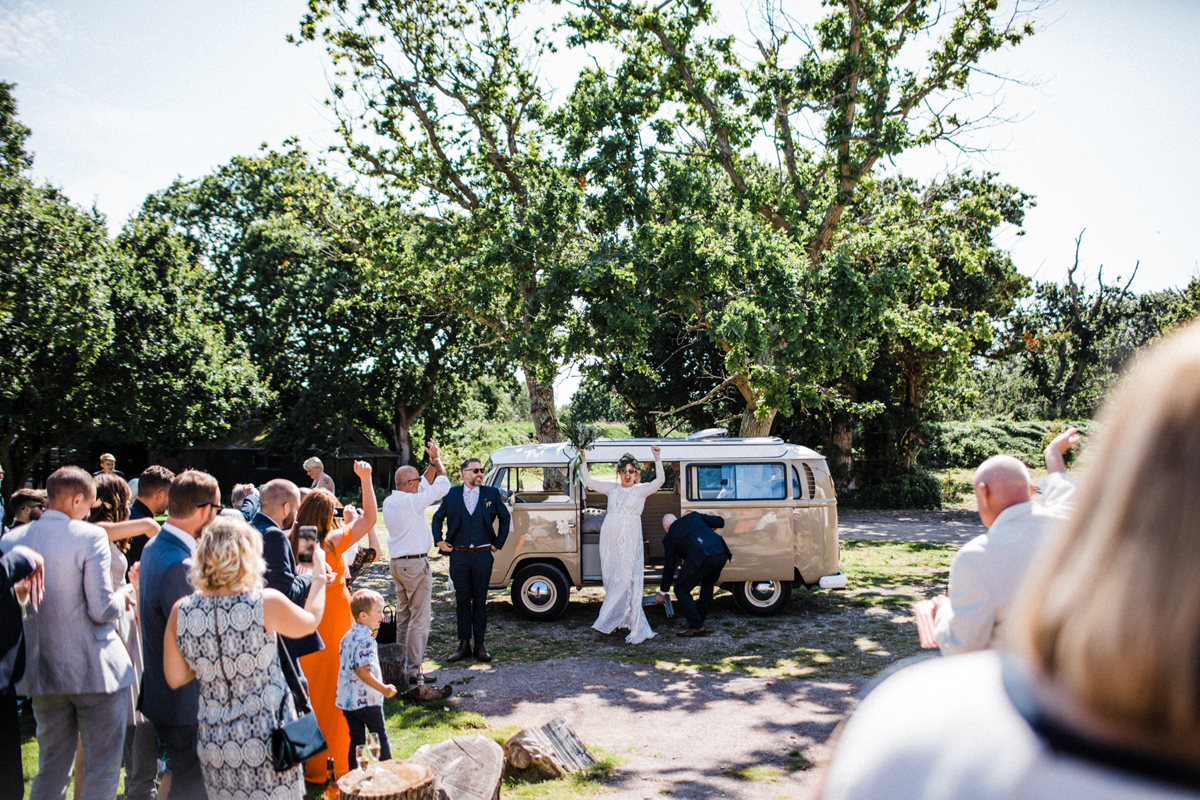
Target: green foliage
{"type": "Point", "coordinates": [968, 444]}
{"type": "Point", "coordinates": [919, 489]}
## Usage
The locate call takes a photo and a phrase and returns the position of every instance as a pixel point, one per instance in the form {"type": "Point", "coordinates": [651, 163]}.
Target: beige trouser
{"type": "Point", "coordinates": [414, 591]}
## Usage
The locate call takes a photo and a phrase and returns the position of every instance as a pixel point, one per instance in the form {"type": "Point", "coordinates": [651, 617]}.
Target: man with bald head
{"type": "Point", "coordinates": [409, 541]}
{"type": "Point", "coordinates": [987, 571]}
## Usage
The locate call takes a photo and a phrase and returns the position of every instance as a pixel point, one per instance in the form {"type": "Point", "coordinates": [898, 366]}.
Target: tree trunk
{"type": "Point", "coordinates": [402, 422]}
{"type": "Point", "coordinates": [541, 408]}
{"type": "Point", "coordinates": [842, 439]}
{"type": "Point", "coordinates": [752, 426]}
{"type": "Point", "coordinates": [467, 767]}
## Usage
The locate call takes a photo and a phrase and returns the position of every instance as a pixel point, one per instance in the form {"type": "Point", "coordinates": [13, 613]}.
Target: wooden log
{"type": "Point", "coordinates": [467, 767]}
{"type": "Point", "coordinates": [423, 693]}
{"type": "Point", "coordinates": [391, 665]}
{"type": "Point", "coordinates": [552, 748]}
{"type": "Point", "coordinates": [390, 780]}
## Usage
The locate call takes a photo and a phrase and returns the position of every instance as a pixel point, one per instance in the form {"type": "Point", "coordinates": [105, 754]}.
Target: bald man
{"type": "Point", "coordinates": [987, 571]}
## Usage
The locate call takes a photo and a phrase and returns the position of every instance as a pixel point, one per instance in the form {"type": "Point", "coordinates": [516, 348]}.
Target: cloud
{"type": "Point", "coordinates": [26, 31]}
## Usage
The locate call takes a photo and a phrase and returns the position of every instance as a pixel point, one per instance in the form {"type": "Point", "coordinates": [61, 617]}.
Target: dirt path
{"type": "Point", "coordinates": [688, 734]}
{"type": "Point", "coordinates": [939, 527]}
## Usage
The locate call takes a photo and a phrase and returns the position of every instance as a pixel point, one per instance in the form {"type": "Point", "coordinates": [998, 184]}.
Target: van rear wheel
{"type": "Point", "coordinates": [540, 592]}
{"type": "Point", "coordinates": [761, 598]}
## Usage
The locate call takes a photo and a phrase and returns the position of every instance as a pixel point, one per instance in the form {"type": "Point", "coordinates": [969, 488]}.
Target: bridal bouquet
{"type": "Point", "coordinates": [580, 434]}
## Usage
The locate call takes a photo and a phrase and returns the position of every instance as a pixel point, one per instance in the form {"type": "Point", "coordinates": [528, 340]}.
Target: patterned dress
{"type": "Point", "coordinates": [622, 560]}
{"type": "Point", "coordinates": [241, 687]}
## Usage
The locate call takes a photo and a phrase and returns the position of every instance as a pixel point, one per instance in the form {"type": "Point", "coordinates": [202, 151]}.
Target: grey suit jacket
{"type": "Point", "coordinates": [71, 644]}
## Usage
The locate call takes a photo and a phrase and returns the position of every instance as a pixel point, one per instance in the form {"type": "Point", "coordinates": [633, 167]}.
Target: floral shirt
{"type": "Point", "coordinates": [358, 649]}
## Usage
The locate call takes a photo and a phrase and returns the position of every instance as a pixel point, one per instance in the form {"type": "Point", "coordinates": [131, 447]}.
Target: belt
{"type": "Point", "coordinates": [414, 555]}
{"type": "Point", "coordinates": [479, 549]}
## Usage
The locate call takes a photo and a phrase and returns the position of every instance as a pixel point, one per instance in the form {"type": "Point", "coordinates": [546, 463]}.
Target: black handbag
{"type": "Point", "coordinates": [294, 741]}
{"type": "Point", "coordinates": [387, 628]}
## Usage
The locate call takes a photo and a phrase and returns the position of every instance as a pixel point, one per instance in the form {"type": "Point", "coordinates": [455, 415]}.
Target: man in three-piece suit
{"type": "Point", "coordinates": [75, 663]}
{"type": "Point", "coordinates": [193, 501]}
{"type": "Point", "coordinates": [279, 502]}
{"type": "Point", "coordinates": [704, 554]}
{"type": "Point", "coordinates": [153, 485]}
{"type": "Point", "coordinates": [469, 513]}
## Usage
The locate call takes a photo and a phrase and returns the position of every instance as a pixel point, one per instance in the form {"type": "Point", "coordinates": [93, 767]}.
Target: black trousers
{"type": "Point", "coordinates": [187, 781]}
{"type": "Point", "coordinates": [10, 745]}
{"type": "Point", "coordinates": [706, 577]}
{"type": "Point", "coordinates": [361, 720]}
{"type": "Point", "coordinates": [471, 573]}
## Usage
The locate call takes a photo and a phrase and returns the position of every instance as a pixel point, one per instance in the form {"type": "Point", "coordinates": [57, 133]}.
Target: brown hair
{"type": "Point", "coordinates": [66, 482]}
{"type": "Point", "coordinates": [190, 490]}
{"type": "Point", "coordinates": [316, 509]}
{"type": "Point", "coordinates": [154, 479]}
{"type": "Point", "coordinates": [364, 600]}
{"type": "Point", "coordinates": [1112, 608]}
{"type": "Point", "coordinates": [112, 503]}
{"type": "Point", "coordinates": [26, 497]}
{"type": "Point", "coordinates": [228, 556]}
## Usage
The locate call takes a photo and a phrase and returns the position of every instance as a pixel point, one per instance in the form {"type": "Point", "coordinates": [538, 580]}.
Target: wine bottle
{"type": "Point", "coordinates": [331, 788]}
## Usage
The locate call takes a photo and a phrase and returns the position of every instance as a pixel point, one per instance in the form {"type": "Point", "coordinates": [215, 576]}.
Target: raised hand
{"type": "Point", "coordinates": [349, 514]}
{"type": "Point", "coordinates": [432, 450]}
{"type": "Point", "coordinates": [1055, 462]}
{"type": "Point", "coordinates": [362, 469]}
{"type": "Point", "coordinates": [656, 451]}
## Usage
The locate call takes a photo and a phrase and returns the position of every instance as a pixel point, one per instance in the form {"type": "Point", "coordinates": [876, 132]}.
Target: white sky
{"type": "Point", "coordinates": [124, 96]}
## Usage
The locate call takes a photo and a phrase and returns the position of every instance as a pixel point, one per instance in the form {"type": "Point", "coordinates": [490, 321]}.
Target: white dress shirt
{"type": "Point", "coordinates": [470, 498]}
{"type": "Point", "coordinates": [987, 572]}
{"type": "Point", "coordinates": [181, 535]}
{"type": "Point", "coordinates": [404, 515]}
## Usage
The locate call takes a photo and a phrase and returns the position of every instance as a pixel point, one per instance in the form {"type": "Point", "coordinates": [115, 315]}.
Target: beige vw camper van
{"type": "Point", "coordinates": [777, 500]}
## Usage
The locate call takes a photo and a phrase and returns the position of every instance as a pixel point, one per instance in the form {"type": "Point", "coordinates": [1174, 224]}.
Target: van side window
{"type": "Point", "coordinates": [796, 493]}
{"type": "Point", "coordinates": [501, 480]}
{"type": "Point", "coordinates": [542, 485]}
{"type": "Point", "coordinates": [739, 482]}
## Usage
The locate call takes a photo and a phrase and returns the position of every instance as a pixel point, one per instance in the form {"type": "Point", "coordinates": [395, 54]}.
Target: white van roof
{"type": "Point", "coordinates": [673, 449]}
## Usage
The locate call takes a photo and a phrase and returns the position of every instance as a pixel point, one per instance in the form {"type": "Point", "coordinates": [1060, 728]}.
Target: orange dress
{"type": "Point", "coordinates": [321, 669]}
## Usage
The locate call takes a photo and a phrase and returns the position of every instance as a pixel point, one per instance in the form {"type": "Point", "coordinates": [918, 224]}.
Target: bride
{"type": "Point", "coordinates": [621, 557]}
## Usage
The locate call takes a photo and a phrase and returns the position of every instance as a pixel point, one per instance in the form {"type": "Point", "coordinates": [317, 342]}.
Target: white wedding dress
{"type": "Point", "coordinates": [621, 557]}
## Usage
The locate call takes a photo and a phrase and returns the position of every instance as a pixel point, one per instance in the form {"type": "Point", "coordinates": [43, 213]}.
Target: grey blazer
{"type": "Point", "coordinates": [71, 644]}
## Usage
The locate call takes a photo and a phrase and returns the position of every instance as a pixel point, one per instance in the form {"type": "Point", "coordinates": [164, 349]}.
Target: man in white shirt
{"type": "Point", "coordinates": [409, 541]}
{"type": "Point", "coordinates": [987, 572]}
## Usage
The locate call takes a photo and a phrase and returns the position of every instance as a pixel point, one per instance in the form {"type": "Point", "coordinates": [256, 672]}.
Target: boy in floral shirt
{"type": "Point", "coordinates": [360, 689]}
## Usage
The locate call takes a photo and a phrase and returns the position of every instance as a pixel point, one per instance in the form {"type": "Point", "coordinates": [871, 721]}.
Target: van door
{"type": "Point", "coordinates": [752, 498]}
{"type": "Point", "coordinates": [545, 519]}
{"type": "Point", "coordinates": [814, 521]}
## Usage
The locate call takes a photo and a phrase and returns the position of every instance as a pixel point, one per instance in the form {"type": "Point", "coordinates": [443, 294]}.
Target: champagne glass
{"type": "Point", "coordinates": [373, 745]}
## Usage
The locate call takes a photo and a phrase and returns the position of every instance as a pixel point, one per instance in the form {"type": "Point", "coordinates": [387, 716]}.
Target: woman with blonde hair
{"type": "Point", "coordinates": [321, 667]}
{"type": "Point", "coordinates": [1101, 694]}
{"type": "Point", "coordinates": [224, 635]}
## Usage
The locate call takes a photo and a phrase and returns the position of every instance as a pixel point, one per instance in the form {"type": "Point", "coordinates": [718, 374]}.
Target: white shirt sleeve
{"type": "Point", "coordinates": [965, 624]}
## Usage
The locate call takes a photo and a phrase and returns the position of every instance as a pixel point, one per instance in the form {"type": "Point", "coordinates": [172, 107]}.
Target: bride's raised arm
{"type": "Point", "coordinates": [660, 477]}
{"type": "Point", "coordinates": [601, 487]}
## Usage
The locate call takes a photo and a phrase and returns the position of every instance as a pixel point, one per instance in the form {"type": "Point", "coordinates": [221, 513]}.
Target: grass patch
{"type": "Point", "coordinates": [748, 773]}
{"type": "Point", "coordinates": [795, 761]}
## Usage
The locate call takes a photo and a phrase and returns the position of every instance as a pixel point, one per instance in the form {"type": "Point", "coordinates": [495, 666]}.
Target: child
{"type": "Point", "coordinates": [360, 690]}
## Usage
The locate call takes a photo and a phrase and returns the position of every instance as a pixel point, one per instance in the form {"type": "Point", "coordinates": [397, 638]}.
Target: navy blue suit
{"type": "Point", "coordinates": [281, 575]}
{"type": "Point", "coordinates": [691, 538]}
{"type": "Point", "coordinates": [137, 544]}
{"type": "Point", "coordinates": [162, 581]}
{"type": "Point", "coordinates": [471, 572]}
{"type": "Point", "coordinates": [13, 568]}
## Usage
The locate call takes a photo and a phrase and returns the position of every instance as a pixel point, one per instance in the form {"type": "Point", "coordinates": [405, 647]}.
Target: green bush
{"type": "Point", "coordinates": [920, 489]}
{"type": "Point", "coordinates": [967, 444]}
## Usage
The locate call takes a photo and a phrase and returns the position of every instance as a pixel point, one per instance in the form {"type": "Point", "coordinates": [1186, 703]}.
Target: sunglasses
{"type": "Point", "coordinates": [473, 469]}
{"type": "Point", "coordinates": [631, 472]}
{"type": "Point", "coordinates": [218, 506]}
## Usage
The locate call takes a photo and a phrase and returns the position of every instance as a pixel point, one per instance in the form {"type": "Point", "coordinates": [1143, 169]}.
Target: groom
{"type": "Point", "coordinates": [469, 512]}
{"type": "Point", "coordinates": [704, 554]}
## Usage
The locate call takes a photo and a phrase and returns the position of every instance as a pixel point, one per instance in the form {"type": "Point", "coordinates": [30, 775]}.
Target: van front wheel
{"type": "Point", "coordinates": [761, 598]}
{"type": "Point", "coordinates": [540, 592]}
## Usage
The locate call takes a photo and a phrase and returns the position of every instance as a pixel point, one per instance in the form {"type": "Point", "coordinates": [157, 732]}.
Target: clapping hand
{"type": "Point", "coordinates": [362, 469]}
{"type": "Point", "coordinates": [33, 587]}
{"type": "Point", "coordinates": [349, 514]}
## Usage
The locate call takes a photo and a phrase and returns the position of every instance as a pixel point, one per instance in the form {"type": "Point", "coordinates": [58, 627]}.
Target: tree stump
{"type": "Point", "coordinates": [467, 767]}
{"type": "Point", "coordinates": [391, 665]}
{"type": "Point", "coordinates": [423, 693]}
{"type": "Point", "coordinates": [552, 748]}
{"type": "Point", "coordinates": [390, 780]}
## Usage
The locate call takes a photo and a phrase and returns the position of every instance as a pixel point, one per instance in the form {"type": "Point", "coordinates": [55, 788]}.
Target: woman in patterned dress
{"type": "Point", "coordinates": [321, 667]}
{"type": "Point", "coordinates": [621, 556]}
{"type": "Point", "coordinates": [224, 636]}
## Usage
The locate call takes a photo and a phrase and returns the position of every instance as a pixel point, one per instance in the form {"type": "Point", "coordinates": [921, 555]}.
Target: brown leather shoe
{"type": "Point", "coordinates": [464, 650]}
{"type": "Point", "coordinates": [701, 631]}
{"type": "Point", "coordinates": [481, 654]}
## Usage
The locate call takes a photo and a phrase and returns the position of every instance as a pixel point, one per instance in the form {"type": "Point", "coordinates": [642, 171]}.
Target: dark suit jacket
{"type": "Point", "coordinates": [691, 538]}
{"type": "Point", "coordinates": [13, 568]}
{"type": "Point", "coordinates": [281, 575]}
{"type": "Point", "coordinates": [162, 581]}
{"type": "Point", "coordinates": [454, 515]}
{"type": "Point", "coordinates": [137, 544]}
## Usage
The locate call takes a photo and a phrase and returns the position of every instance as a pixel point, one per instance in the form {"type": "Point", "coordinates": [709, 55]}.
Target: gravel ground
{"type": "Point", "coordinates": [684, 733]}
{"type": "Point", "coordinates": [956, 527]}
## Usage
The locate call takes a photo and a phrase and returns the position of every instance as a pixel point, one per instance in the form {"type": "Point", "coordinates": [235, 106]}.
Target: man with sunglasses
{"type": "Point", "coordinates": [469, 513]}
{"type": "Point", "coordinates": [27, 505]}
{"type": "Point", "coordinates": [408, 545]}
